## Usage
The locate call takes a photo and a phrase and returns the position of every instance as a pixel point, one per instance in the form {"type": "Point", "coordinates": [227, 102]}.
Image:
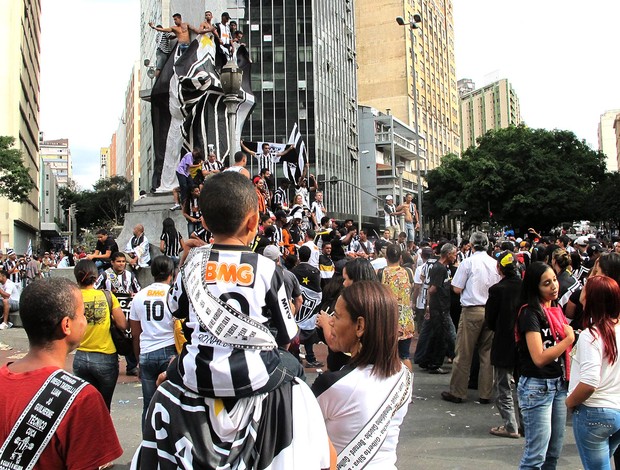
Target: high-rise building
{"type": "Point", "coordinates": [494, 106]}
{"type": "Point", "coordinates": [607, 140]}
{"type": "Point", "coordinates": [132, 132]}
{"type": "Point", "coordinates": [20, 32]}
{"type": "Point", "coordinates": [113, 155]}
{"type": "Point", "coordinates": [58, 154]}
{"type": "Point", "coordinates": [304, 72]}
{"type": "Point", "coordinates": [411, 73]}
{"type": "Point", "coordinates": [104, 163]}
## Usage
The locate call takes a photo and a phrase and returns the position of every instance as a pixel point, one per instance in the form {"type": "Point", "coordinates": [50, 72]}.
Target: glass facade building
{"type": "Point", "coordinates": [304, 72]}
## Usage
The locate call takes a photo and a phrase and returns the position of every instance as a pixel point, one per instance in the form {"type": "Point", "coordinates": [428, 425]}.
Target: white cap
{"type": "Point", "coordinates": [297, 215]}
{"type": "Point", "coordinates": [272, 252]}
{"type": "Point", "coordinates": [583, 240]}
{"type": "Point", "coordinates": [389, 196]}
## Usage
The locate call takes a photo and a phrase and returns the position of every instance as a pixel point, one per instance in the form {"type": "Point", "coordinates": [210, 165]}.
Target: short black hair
{"type": "Point", "coordinates": [116, 255]}
{"type": "Point", "coordinates": [324, 219]}
{"type": "Point", "coordinates": [177, 15]}
{"type": "Point", "coordinates": [310, 233]}
{"type": "Point", "coordinates": [239, 156]}
{"type": "Point", "coordinates": [392, 254]}
{"type": "Point", "coordinates": [304, 253]}
{"type": "Point", "coordinates": [226, 200]}
{"type": "Point", "coordinates": [42, 306]}
{"type": "Point", "coordinates": [102, 231]}
{"type": "Point", "coordinates": [161, 268]}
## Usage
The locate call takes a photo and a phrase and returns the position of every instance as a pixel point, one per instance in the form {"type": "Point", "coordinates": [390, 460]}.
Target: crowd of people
{"type": "Point", "coordinates": [221, 338]}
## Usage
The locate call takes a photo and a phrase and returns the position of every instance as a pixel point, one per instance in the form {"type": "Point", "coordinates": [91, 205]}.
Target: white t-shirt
{"type": "Point", "coordinates": [348, 399]}
{"type": "Point", "coordinates": [590, 367]}
{"type": "Point", "coordinates": [417, 279]}
{"type": "Point", "coordinates": [315, 253]}
{"type": "Point", "coordinates": [150, 308]}
{"type": "Point", "coordinates": [11, 288]}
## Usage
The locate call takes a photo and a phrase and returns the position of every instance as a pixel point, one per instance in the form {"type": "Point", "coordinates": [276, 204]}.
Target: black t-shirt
{"type": "Point", "coordinates": [529, 320]}
{"type": "Point", "coordinates": [108, 244]}
{"type": "Point", "coordinates": [439, 277]}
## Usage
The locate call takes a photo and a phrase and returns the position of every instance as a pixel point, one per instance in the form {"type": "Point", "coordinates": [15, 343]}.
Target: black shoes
{"type": "Point", "coordinates": [447, 396]}
{"type": "Point", "coordinates": [438, 370]}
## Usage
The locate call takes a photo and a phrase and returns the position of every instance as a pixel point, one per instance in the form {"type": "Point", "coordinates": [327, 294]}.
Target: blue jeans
{"type": "Point", "coordinates": [151, 365]}
{"type": "Point", "coordinates": [544, 421]}
{"type": "Point", "coordinates": [410, 230]}
{"type": "Point", "coordinates": [100, 370]}
{"type": "Point", "coordinates": [597, 435]}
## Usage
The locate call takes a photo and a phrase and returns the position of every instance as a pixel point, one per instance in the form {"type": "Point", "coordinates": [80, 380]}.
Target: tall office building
{"type": "Point", "coordinates": [20, 32]}
{"type": "Point", "coordinates": [304, 72]}
{"type": "Point", "coordinates": [494, 106]}
{"type": "Point", "coordinates": [412, 75]}
{"type": "Point", "coordinates": [607, 141]}
{"type": "Point", "coordinates": [58, 154]}
{"type": "Point", "coordinates": [104, 163]}
{"type": "Point", "coordinates": [131, 115]}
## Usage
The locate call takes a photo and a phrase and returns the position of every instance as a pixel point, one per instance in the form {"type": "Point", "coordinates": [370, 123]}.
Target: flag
{"type": "Point", "coordinates": [294, 158]}
{"type": "Point", "coordinates": [29, 250]}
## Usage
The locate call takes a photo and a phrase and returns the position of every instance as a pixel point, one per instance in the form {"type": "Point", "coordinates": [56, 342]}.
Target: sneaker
{"type": "Point", "coordinates": [438, 370]}
{"type": "Point", "coordinates": [314, 364]}
{"type": "Point", "coordinates": [175, 207]}
{"type": "Point", "coordinates": [132, 372]}
{"type": "Point", "coordinates": [6, 325]}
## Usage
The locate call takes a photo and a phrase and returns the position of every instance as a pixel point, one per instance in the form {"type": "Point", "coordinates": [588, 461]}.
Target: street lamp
{"type": "Point", "coordinates": [400, 169]}
{"type": "Point", "coordinates": [413, 25]}
{"type": "Point", "coordinates": [230, 78]}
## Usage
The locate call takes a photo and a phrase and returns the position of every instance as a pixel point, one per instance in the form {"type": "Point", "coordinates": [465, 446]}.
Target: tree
{"type": "Point", "coordinates": [523, 177]}
{"type": "Point", "coordinates": [105, 205]}
{"type": "Point", "coordinates": [15, 181]}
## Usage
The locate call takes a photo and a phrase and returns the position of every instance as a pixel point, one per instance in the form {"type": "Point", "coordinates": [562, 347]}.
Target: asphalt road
{"type": "Point", "coordinates": [435, 434]}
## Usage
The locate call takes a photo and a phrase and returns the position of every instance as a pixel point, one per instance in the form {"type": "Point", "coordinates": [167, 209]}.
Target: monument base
{"type": "Point", "coordinates": [151, 211]}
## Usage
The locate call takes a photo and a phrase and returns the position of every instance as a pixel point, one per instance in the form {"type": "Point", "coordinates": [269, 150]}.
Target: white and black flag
{"type": "Point", "coordinates": [294, 160]}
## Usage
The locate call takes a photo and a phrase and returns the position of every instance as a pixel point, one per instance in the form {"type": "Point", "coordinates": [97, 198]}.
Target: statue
{"type": "Point", "coordinates": [187, 106]}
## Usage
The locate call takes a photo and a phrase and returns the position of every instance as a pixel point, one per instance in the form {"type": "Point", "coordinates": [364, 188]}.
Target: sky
{"type": "Point", "coordinates": [559, 56]}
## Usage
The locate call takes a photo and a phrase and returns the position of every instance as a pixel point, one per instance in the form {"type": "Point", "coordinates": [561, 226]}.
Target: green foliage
{"type": "Point", "coordinates": [527, 177]}
{"type": "Point", "coordinates": [15, 181]}
{"type": "Point", "coordinates": [605, 203]}
{"type": "Point", "coordinates": [104, 206]}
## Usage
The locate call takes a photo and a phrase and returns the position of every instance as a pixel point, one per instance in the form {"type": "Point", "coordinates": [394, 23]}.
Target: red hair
{"type": "Point", "coordinates": [601, 312]}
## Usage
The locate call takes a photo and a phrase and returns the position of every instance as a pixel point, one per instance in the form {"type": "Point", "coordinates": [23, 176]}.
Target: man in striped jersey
{"type": "Point", "coordinates": [239, 324]}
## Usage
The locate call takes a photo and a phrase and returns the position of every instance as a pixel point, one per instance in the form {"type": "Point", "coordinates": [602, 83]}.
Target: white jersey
{"type": "Point", "coordinates": [249, 283]}
{"type": "Point", "coordinates": [150, 308]}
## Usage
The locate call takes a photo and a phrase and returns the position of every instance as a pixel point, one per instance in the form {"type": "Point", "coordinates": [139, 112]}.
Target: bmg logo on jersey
{"type": "Point", "coordinates": [240, 274]}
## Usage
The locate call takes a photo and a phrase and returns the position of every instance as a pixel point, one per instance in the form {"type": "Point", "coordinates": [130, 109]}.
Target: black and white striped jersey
{"type": "Point", "coordinates": [172, 247]}
{"type": "Point", "coordinates": [250, 283]}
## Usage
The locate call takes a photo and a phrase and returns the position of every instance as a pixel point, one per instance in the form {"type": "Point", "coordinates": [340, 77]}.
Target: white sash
{"type": "Point", "coordinates": [226, 323]}
{"type": "Point", "coordinates": [363, 447]}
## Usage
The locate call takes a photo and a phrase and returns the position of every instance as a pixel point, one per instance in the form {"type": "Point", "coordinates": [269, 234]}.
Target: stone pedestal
{"type": "Point", "coordinates": [151, 212]}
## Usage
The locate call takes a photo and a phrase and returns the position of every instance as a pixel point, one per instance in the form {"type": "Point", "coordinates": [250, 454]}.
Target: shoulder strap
{"type": "Point", "coordinates": [409, 274]}
{"type": "Point", "coordinates": [380, 275]}
{"type": "Point", "coordinates": [108, 297]}
{"type": "Point", "coordinates": [39, 421]}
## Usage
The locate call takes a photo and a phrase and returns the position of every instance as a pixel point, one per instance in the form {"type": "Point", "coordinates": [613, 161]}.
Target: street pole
{"type": "Point", "coordinates": [231, 113]}
{"type": "Point", "coordinates": [417, 133]}
{"type": "Point", "coordinates": [414, 24]}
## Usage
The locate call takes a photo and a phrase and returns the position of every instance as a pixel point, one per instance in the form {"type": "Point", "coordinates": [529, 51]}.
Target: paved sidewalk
{"type": "Point", "coordinates": [435, 434]}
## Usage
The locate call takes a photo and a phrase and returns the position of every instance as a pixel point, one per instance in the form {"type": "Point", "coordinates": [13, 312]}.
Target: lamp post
{"type": "Point", "coordinates": [230, 78]}
{"type": "Point", "coordinates": [400, 169]}
{"type": "Point", "coordinates": [415, 24]}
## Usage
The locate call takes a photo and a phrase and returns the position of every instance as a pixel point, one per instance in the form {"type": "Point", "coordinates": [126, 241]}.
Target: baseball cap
{"type": "Point", "coordinates": [389, 197]}
{"type": "Point", "coordinates": [10, 251]}
{"type": "Point", "coordinates": [583, 240]}
{"type": "Point", "coordinates": [272, 252]}
{"type": "Point", "coordinates": [506, 258]}
{"type": "Point", "coordinates": [594, 248]}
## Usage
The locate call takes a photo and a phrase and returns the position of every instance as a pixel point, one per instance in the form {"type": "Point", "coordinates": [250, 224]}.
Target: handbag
{"type": "Point", "coordinates": [121, 338]}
